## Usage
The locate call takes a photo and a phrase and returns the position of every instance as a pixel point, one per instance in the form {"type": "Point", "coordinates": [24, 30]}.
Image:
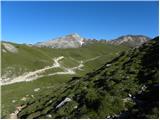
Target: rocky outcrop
{"type": "Point", "coordinates": [9, 48]}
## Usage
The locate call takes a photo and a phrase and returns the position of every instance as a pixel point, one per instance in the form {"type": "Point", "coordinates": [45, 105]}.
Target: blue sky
{"type": "Point", "coordinates": [31, 22]}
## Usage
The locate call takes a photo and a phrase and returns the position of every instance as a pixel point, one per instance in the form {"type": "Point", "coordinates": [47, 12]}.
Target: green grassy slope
{"type": "Point", "coordinates": [30, 58]}
{"type": "Point", "coordinates": [33, 58]}
{"type": "Point", "coordinates": [125, 87]}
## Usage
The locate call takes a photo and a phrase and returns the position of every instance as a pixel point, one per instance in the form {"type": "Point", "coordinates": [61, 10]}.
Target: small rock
{"type": "Point", "coordinates": [32, 96]}
{"type": "Point", "coordinates": [75, 107]}
{"type": "Point", "coordinates": [64, 101]}
{"type": "Point", "coordinates": [27, 95]}
{"type": "Point", "coordinates": [127, 77]}
{"type": "Point", "coordinates": [49, 115]}
{"type": "Point", "coordinates": [108, 65]}
{"type": "Point", "coordinates": [36, 90]}
{"type": "Point", "coordinates": [24, 99]}
{"type": "Point", "coordinates": [143, 88]}
{"type": "Point", "coordinates": [13, 116]}
{"type": "Point", "coordinates": [20, 107]}
{"type": "Point", "coordinates": [129, 95]}
{"type": "Point", "coordinates": [13, 101]}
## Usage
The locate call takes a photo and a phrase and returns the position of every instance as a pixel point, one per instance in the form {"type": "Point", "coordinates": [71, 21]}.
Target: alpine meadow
{"type": "Point", "coordinates": [79, 60]}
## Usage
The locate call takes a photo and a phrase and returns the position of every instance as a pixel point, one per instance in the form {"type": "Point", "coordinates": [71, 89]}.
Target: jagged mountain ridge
{"type": "Point", "coordinates": [75, 41]}
{"type": "Point", "coordinates": [130, 40]}
{"type": "Point", "coordinates": [119, 89]}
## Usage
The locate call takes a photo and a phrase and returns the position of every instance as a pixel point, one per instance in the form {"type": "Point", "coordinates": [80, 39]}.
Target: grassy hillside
{"type": "Point", "coordinates": [30, 58]}
{"type": "Point", "coordinates": [125, 87]}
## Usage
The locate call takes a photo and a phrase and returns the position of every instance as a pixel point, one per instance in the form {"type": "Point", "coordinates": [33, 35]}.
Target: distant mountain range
{"type": "Point", "coordinates": [75, 41]}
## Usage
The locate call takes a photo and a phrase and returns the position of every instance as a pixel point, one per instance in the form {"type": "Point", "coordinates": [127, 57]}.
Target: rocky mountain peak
{"type": "Point", "coordinates": [68, 41]}
{"type": "Point", "coordinates": [130, 40]}
{"type": "Point", "coordinates": [72, 37]}
{"type": "Point", "coordinates": [75, 35]}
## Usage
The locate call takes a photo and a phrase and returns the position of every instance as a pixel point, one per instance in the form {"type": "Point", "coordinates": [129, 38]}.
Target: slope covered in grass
{"type": "Point", "coordinates": [31, 58]}
{"type": "Point", "coordinates": [125, 87]}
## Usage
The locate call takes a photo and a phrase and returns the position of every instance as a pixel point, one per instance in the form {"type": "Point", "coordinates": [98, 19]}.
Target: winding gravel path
{"type": "Point", "coordinates": [36, 74]}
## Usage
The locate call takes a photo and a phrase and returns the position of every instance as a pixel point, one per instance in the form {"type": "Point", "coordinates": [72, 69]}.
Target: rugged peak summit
{"type": "Point", "coordinates": [76, 35]}
{"type": "Point", "coordinates": [68, 41]}
{"type": "Point", "coordinates": [130, 40]}
{"type": "Point", "coordinates": [73, 36]}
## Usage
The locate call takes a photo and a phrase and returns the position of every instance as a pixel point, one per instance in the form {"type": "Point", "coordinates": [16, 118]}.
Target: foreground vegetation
{"type": "Point", "coordinates": [125, 87]}
{"type": "Point", "coordinates": [30, 58]}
